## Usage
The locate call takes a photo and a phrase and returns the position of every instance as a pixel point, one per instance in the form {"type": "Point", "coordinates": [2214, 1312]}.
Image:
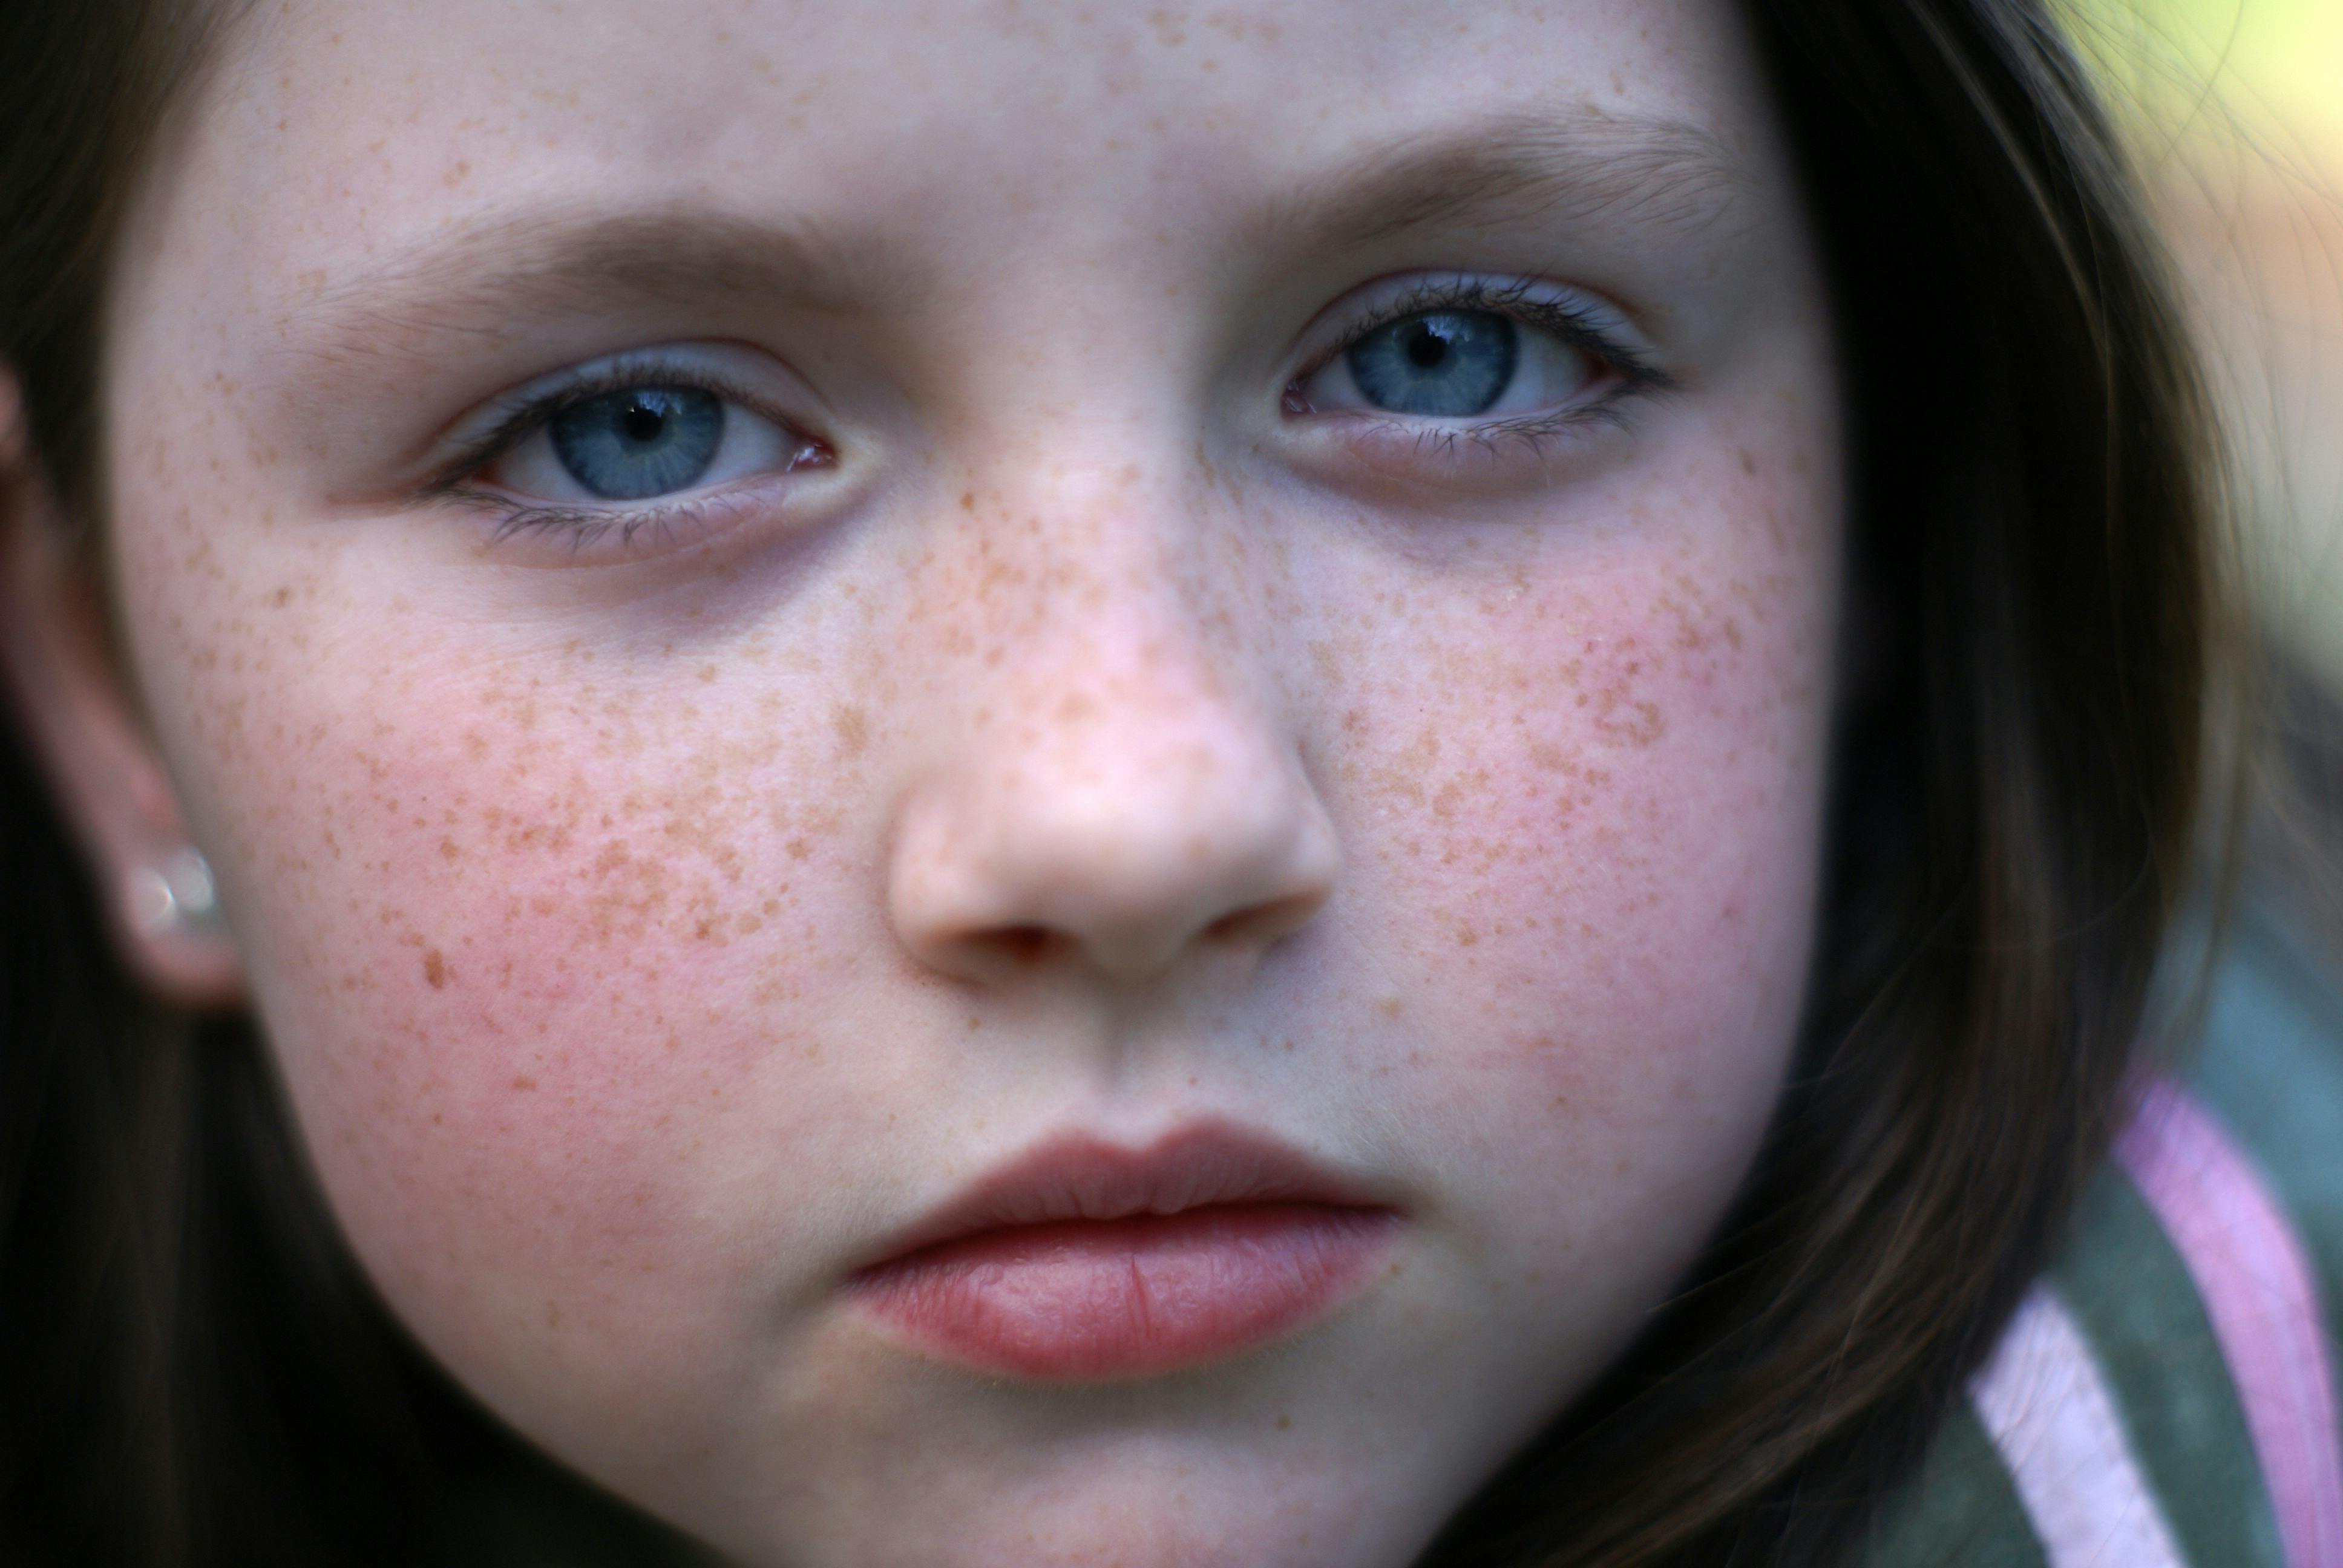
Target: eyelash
{"type": "Point", "coordinates": [1637, 377]}
{"type": "Point", "coordinates": [588, 524]}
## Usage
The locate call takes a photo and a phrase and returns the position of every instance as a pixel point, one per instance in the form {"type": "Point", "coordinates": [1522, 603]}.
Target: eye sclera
{"type": "Point", "coordinates": [764, 443]}
{"type": "Point", "coordinates": [1574, 319]}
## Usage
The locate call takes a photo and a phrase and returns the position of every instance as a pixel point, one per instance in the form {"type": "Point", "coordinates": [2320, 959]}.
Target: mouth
{"type": "Point", "coordinates": [1084, 1261]}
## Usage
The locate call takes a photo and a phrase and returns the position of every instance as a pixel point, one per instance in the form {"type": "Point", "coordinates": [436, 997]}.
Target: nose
{"type": "Point", "coordinates": [1113, 801]}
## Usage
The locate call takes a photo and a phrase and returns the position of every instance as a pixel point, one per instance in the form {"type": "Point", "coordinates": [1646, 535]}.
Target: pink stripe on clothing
{"type": "Point", "coordinates": [2262, 1296]}
{"type": "Point", "coordinates": [2049, 1413]}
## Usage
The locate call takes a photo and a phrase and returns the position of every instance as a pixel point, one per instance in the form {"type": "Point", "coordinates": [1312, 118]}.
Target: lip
{"type": "Point", "coordinates": [1084, 1260]}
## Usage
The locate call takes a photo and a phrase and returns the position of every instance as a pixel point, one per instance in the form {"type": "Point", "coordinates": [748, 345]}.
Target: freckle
{"type": "Point", "coordinates": [1748, 462]}
{"type": "Point", "coordinates": [1467, 936]}
{"type": "Point", "coordinates": [854, 731]}
{"type": "Point", "coordinates": [968, 500]}
{"type": "Point", "coordinates": [524, 1084]}
{"type": "Point", "coordinates": [1390, 1007]}
{"type": "Point", "coordinates": [707, 674]}
{"type": "Point", "coordinates": [798, 849]}
{"type": "Point", "coordinates": [1284, 1423]}
{"type": "Point", "coordinates": [448, 850]}
{"type": "Point", "coordinates": [435, 969]}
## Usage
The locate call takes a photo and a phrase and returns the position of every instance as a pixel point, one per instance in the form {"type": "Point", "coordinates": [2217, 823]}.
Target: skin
{"type": "Point", "coordinates": [1103, 735]}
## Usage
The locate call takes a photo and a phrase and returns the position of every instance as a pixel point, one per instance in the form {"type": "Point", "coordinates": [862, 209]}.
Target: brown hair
{"type": "Point", "coordinates": [194, 1371]}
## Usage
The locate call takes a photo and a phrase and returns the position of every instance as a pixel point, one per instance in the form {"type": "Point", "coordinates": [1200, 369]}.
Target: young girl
{"type": "Point", "coordinates": [1308, 784]}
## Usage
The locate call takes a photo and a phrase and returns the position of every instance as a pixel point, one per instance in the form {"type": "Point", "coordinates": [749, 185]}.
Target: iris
{"type": "Point", "coordinates": [1446, 364]}
{"type": "Point", "coordinates": [639, 441]}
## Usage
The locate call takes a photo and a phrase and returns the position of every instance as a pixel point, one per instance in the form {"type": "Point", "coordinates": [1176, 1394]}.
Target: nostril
{"type": "Point", "coordinates": [1023, 945]}
{"type": "Point", "coordinates": [1263, 923]}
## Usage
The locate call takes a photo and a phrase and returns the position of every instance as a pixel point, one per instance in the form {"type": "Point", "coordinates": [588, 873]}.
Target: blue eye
{"type": "Point", "coordinates": [655, 445]}
{"type": "Point", "coordinates": [1466, 349]}
{"type": "Point", "coordinates": [638, 442]}
{"type": "Point", "coordinates": [1440, 364]}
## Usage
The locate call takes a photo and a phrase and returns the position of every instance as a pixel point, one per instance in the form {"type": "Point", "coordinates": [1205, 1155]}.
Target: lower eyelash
{"type": "Point", "coordinates": [665, 518]}
{"type": "Point", "coordinates": [1535, 433]}
{"type": "Point", "coordinates": [586, 526]}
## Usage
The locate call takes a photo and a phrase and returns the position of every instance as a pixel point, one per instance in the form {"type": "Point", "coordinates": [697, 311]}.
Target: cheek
{"type": "Point", "coordinates": [1590, 802]}
{"type": "Point", "coordinates": [548, 949]}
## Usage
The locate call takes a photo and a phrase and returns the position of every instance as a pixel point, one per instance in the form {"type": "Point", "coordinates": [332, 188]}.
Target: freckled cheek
{"type": "Point", "coordinates": [1603, 895]}
{"type": "Point", "coordinates": [1603, 758]}
{"type": "Point", "coordinates": [1641, 924]}
{"type": "Point", "coordinates": [535, 987]}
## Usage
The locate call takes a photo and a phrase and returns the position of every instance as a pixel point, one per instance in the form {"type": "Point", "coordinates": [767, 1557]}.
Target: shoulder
{"type": "Point", "coordinates": [2166, 1396]}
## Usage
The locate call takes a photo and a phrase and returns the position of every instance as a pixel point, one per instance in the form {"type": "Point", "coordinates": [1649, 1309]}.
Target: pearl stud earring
{"type": "Point", "coordinates": [174, 894]}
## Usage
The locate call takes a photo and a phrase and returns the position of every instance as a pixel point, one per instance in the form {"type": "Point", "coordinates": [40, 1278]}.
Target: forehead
{"type": "Point", "coordinates": [363, 119]}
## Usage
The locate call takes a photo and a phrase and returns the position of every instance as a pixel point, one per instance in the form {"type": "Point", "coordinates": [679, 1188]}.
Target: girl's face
{"type": "Point", "coordinates": [1010, 783]}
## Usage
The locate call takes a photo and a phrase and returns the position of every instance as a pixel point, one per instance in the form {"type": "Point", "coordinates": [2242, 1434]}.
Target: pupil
{"type": "Point", "coordinates": [643, 422]}
{"type": "Point", "coordinates": [1425, 347]}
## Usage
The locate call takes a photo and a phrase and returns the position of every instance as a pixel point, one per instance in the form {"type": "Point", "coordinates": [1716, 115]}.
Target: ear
{"type": "Point", "coordinates": [84, 729]}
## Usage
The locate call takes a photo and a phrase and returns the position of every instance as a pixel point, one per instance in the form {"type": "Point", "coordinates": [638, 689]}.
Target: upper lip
{"type": "Point", "coordinates": [1077, 1176]}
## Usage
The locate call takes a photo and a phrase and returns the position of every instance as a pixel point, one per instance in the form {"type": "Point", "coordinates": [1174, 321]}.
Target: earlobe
{"type": "Point", "coordinates": [75, 705]}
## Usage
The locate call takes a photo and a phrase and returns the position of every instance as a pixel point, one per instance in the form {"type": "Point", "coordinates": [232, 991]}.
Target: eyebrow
{"type": "Point", "coordinates": [1586, 168]}
{"type": "Point", "coordinates": [500, 275]}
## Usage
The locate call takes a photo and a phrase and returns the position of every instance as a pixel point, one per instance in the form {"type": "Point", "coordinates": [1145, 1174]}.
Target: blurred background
{"type": "Point", "coordinates": [2237, 109]}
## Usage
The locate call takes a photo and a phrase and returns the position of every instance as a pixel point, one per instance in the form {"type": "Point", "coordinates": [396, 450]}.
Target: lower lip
{"type": "Point", "coordinates": [1095, 1299]}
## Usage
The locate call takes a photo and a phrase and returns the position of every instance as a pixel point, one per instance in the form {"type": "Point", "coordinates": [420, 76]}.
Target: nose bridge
{"type": "Point", "coordinates": [1112, 780]}
{"type": "Point", "coordinates": [1108, 611]}
{"type": "Point", "coordinates": [1122, 609]}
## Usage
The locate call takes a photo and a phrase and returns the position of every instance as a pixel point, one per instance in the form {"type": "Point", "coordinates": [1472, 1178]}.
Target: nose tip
{"type": "Point", "coordinates": [1122, 869]}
